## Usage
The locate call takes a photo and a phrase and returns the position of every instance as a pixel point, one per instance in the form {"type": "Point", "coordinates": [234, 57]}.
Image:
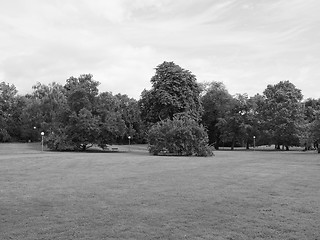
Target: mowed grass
{"type": "Point", "coordinates": [132, 195]}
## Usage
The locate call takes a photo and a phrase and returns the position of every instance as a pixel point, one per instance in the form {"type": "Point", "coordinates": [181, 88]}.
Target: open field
{"type": "Point", "coordinates": [132, 195]}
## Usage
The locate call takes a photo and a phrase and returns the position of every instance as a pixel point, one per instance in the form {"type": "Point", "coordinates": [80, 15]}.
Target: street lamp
{"type": "Point", "coordinates": [254, 142]}
{"type": "Point", "coordinates": [34, 135]}
{"type": "Point", "coordinates": [42, 135]}
{"type": "Point", "coordinates": [129, 137]}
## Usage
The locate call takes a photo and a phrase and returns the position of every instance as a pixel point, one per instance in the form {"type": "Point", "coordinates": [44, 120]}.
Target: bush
{"type": "Point", "coordinates": [4, 136]}
{"type": "Point", "coordinates": [59, 142]}
{"type": "Point", "coordinates": [181, 136]}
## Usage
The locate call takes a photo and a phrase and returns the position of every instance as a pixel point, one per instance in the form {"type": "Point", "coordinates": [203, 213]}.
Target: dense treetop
{"type": "Point", "coordinates": [174, 90]}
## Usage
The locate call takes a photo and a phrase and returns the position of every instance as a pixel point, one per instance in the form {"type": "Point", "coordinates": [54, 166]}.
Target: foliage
{"type": "Point", "coordinates": [282, 113]}
{"type": "Point", "coordinates": [315, 130]}
{"type": "Point", "coordinates": [310, 129]}
{"type": "Point", "coordinates": [174, 90]}
{"type": "Point", "coordinates": [81, 92]}
{"type": "Point", "coordinates": [216, 103]}
{"type": "Point", "coordinates": [75, 116]}
{"type": "Point", "coordinates": [89, 118]}
{"type": "Point", "coordinates": [237, 125]}
{"type": "Point", "coordinates": [59, 141]}
{"type": "Point", "coordinates": [111, 124]}
{"type": "Point", "coordinates": [10, 107]}
{"type": "Point", "coordinates": [44, 110]}
{"type": "Point", "coordinates": [131, 115]}
{"type": "Point", "coordinates": [180, 136]}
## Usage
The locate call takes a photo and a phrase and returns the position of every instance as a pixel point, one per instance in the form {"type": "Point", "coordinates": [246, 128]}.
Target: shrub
{"type": "Point", "coordinates": [180, 136]}
{"type": "Point", "coordinates": [4, 136]}
{"type": "Point", "coordinates": [59, 142]}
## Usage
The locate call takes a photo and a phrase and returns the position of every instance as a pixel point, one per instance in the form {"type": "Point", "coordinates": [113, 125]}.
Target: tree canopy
{"type": "Point", "coordinates": [282, 113]}
{"type": "Point", "coordinates": [174, 90]}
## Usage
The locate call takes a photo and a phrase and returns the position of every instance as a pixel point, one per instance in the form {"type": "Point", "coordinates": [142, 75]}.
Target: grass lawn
{"type": "Point", "coordinates": [132, 195]}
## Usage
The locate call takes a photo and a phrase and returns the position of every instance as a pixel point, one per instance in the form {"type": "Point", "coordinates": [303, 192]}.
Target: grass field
{"type": "Point", "coordinates": [132, 195]}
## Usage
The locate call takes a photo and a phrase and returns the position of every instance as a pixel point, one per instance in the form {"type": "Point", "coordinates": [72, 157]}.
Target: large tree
{"type": "Point", "coordinates": [282, 113]}
{"type": "Point", "coordinates": [310, 134]}
{"type": "Point", "coordinates": [81, 92]}
{"type": "Point", "coordinates": [174, 90]}
{"type": "Point", "coordinates": [79, 124]}
{"type": "Point", "coordinates": [216, 102]}
{"type": "Point", "coordinates": [11, 107]}
{"type": "Point", "coordinates": [173, 106]}
{"type": "Point", "coordinates": [315, 131]}
{"type": "Point", "coordinates": [7, 100]}
{"type": "Point", "coordinates": [112, 126]}
{"type": "Point", "coordinates": [130, 113]}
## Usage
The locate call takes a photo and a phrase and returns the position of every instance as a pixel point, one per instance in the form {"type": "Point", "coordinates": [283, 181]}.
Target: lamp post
{"type": "Point", "coordinates": [129, 137]}
{"type": "Point", "coordinates": [42, 135]}
{"type": "Point", "coordinates": [34, 136]}
{"type": "Point", "coordinates": [254, 143]}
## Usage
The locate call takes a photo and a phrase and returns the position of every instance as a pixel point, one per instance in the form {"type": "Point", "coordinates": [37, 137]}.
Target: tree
{"type": "Point", "coordinates": [112, 125]}
{"type": "Point", "coordinates": [78, 125]}
{"type": "Point", "coordinates": [81, 92]}
{"type": "Point", "coordinates": [10, 110]}
{"type": "Point", "coordinates": [310, 134]}
{"type": "Point", "coordinates": [255, 121]}
{"type": "Point", "coordinates": [174, 90]}
{"type": "Point", "coordinates": [89, 117]}
{"type": "Point", "coordinates": [315, 131]}
{"type": "Point", "coordinates": [83, 129]}
{"type": "Point", "coordinates": [237, 124]}
{"type": "Point", "coordinates": [179, 136]}
{"type": "Point", "coordinates": [216, 103]}
{"type": "Point", "coordinates": [130, 113]}
{"type": "Point", "coordinates": [282, 113]}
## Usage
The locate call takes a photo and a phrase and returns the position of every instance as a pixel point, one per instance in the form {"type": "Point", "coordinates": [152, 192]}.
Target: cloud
{"type": "Point", "coordinates": [247, 44]}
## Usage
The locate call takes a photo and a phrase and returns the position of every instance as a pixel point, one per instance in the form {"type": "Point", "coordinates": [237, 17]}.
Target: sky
{"type": "Point", "coordinates": [246, 44]}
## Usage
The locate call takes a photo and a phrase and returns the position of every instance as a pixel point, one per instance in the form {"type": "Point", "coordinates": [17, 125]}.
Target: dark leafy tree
{"type": "Point", "coordinates": [44, 109]}
{"type": "Point", "coordinates": [10, 110]}
{"type": "Point", "coordinates": [81, 92]}
{"type": "Point", "coordinates": [283, 113]}
{"type": "Point", "coordinates": [78, 127]}
{"type": "Point", "coordinates": [130, 112]}
{"type": "Point", "coordinates": [83, 129]}
{"type": "Point", "coordinates": [174, 90]}
{"type": "Point", "coordinates": [255, 122]}
{"type": "Point", "coordinates": [238, 125]}
{"type": "Point", "coordinates": [315, 131]}
{"type": "Point", "coordinates": [309, 134]}
{"type": "Point", "coordinates": [112, 126]}
{"type": "Point", "coordinates": [216, 103]}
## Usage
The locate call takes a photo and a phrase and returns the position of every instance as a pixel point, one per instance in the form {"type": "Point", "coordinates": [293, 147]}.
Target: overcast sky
{"type": "Point", "coordinates": [246, 44]}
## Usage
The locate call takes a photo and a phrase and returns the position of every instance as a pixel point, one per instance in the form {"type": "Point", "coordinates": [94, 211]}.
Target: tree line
{"type": "Point", "coordinates": [177, 115]}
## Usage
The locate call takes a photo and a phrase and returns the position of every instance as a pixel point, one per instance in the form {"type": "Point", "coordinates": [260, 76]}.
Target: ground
{"type": "Point", "coordinates": [132, 195]}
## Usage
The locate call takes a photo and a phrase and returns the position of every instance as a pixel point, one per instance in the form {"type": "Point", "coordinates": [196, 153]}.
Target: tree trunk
{"type": "Point", "coordinates": [233, 143]}
{"type": "Point", "coordinates": [287, 148]}
{"type": "Point", "coordinates": [84, 147]}
{"type": "Point", "coordinates": [217, 143]}
{"type": "Point", "coordinates": [247, 145]}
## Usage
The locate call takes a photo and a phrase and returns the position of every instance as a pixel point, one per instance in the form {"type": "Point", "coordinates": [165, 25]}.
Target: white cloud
{"type": "Point", "coordinates": [247, 44]}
